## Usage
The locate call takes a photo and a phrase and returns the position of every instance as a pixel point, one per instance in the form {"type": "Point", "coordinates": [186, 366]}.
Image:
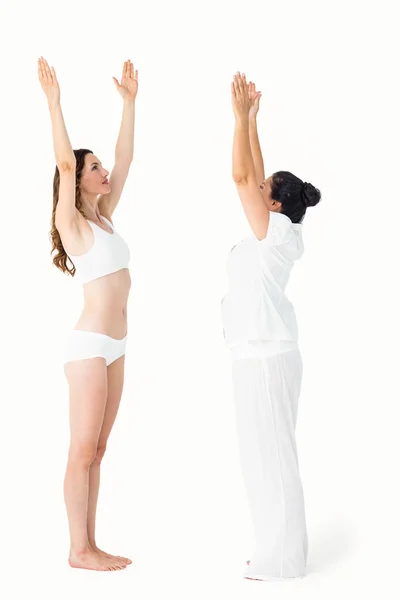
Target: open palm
{"type": "Point", "coordinates": [48, 81]}
{"type": "Point", "coordinates": [128, 88]}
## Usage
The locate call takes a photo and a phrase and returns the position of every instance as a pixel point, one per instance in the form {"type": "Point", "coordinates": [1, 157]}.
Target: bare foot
{"type": "Point", "coordinates": [252, 578]}
{"type": "Point", "coordinates": [122, 559]}
{"type": "Point", "coordinates": [93, 561]}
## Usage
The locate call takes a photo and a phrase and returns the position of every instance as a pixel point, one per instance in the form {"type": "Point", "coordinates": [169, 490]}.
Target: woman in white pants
{"type": "Point", "coordinates": [260, 328]}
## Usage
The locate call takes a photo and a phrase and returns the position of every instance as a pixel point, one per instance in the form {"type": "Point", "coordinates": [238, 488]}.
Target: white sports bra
{"type": "Point", "coordinates": [108, 254]}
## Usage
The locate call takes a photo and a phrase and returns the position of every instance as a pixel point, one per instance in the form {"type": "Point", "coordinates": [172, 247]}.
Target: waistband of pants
{"type": "Point", "coordinates": [261, 348]}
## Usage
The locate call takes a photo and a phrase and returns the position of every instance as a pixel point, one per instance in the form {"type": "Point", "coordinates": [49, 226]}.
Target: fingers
{"type": "Point", "coordinates": [42, 70]}
{"type": "Point", "coordinates": [39, 69]}
{"type": "Point", "coordinates": [240, 83]}
{"type": "Point", "coordinates": [47, 72]}
{"type": "Point", "coordinates": [241, 80]}
{"type": "Point", "coordinates": [236, 85]}
{"type": "Point", "coordinates": [243, 83]}
{"type": "Point", "coordinates": [128, 70]}
{"type": "Point", "coordinates": [253, 94]}
{"type": "Point", "coordinates": [47, 76]}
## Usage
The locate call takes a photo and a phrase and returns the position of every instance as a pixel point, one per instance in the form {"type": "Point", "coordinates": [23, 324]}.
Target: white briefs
{"type": "Point", "coordinates": [88, 344]}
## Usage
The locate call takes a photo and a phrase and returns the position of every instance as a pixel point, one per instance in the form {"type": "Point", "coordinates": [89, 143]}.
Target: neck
{"type": "Point", "coordinates": [90, 207]}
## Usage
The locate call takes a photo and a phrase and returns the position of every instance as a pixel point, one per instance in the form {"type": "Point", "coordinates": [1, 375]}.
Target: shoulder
{"type": "Point", "coordinates": [280, 230]}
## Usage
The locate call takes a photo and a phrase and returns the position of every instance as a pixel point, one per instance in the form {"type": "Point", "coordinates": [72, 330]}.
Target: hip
{"type": "Point", "coordinates": [80, 345]}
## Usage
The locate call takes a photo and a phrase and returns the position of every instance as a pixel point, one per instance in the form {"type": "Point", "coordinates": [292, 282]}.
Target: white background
{"type": "Point", "coordinates": [172, 495]}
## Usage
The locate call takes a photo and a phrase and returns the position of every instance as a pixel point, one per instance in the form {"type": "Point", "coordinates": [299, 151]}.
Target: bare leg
{"type": "Point", "coordinates": [88, 392]}
{"type": "Point", "coordinates": [115, 382]}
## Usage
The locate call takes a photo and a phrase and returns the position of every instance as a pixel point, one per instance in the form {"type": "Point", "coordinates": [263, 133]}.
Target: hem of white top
{"type": "Point", "coordinates": [261, 348]}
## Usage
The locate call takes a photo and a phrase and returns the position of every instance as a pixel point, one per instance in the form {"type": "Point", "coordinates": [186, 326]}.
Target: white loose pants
{"type": "Point", "coordinates": [266, 381]}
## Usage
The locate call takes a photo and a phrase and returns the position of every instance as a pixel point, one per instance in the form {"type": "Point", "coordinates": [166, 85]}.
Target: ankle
{"type": "Point", "coordinates": [81, 550]}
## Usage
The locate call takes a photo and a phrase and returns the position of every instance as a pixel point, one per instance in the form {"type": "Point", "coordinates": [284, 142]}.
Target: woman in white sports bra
{"type": "Point", "coordinates": [89, 248]}
{"type": "Point", "coordinates": [260, 329]}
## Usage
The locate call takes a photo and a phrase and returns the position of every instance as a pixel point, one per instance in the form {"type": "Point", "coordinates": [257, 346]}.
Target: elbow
{"type": "Point", "coordinates": [66, 166]}
{"type": "Point", "coordinates": [239, 179]}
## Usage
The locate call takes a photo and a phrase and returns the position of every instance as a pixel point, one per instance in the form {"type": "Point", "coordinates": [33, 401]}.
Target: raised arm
{"type": "Point", "coordinates": [63, 152]}
{"type": "Point", "coordinates": [243, 168]}
{"type": "Point", "coordinates": [124, 149]}
{"type": "Point", "coordinates": [254, 141]}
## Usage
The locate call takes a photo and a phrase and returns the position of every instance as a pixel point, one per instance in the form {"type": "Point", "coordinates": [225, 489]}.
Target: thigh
{"type": "Point", "coordinates": [292, 367]}
{"type": "Point", "coordinates": [266, 393]}
{"type": "Point", "coordinates": [87, 381]}
{"type": "Point", "coordinates": [115, 384]}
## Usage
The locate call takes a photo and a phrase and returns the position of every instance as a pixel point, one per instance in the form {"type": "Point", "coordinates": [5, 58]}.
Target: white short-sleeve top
{"type": "Point", "coordinates": [255, 306]}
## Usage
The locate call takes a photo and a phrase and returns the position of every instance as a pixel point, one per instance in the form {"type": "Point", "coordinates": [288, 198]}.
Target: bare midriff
{"type": "Point", "coordinates": [105, 305]}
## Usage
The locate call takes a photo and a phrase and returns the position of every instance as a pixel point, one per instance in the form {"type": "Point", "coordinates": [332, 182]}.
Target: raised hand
{"type": "Point", "coordinates": [241, 103]}
{"type": "Point", "coordinates": [254, 99]}
{"type": "Point", "coordinates": [48, 81]}
{"type": "Point", "coordinates": [128, 88]}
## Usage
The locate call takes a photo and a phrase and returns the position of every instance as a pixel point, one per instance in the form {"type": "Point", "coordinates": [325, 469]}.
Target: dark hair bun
{"type": "Point", "coordinates": [310, 195]}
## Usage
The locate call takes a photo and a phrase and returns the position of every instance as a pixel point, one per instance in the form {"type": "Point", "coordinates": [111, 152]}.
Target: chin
{"type": "Point", "coordinates": [105, 189]}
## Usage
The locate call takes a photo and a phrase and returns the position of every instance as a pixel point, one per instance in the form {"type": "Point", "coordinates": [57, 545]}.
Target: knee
{"type": "Point", "coordinates": [83, 454]}
{"type": "Point", "coordinates": [101, 448]}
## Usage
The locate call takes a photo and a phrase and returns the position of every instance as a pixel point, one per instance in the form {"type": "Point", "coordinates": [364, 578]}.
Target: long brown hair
{"type": "Point", "coordinates": [61, 258]}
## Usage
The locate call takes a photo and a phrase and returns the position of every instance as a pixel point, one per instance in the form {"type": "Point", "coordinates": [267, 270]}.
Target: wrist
{"type": "Point", "coordinates": [53, 105]}
{"type": "Point", "coordinates": [242, 120]}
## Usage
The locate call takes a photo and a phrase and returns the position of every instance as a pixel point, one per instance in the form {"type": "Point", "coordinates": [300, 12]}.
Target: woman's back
{"type": "Point", "coordinates": [256, 306]}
